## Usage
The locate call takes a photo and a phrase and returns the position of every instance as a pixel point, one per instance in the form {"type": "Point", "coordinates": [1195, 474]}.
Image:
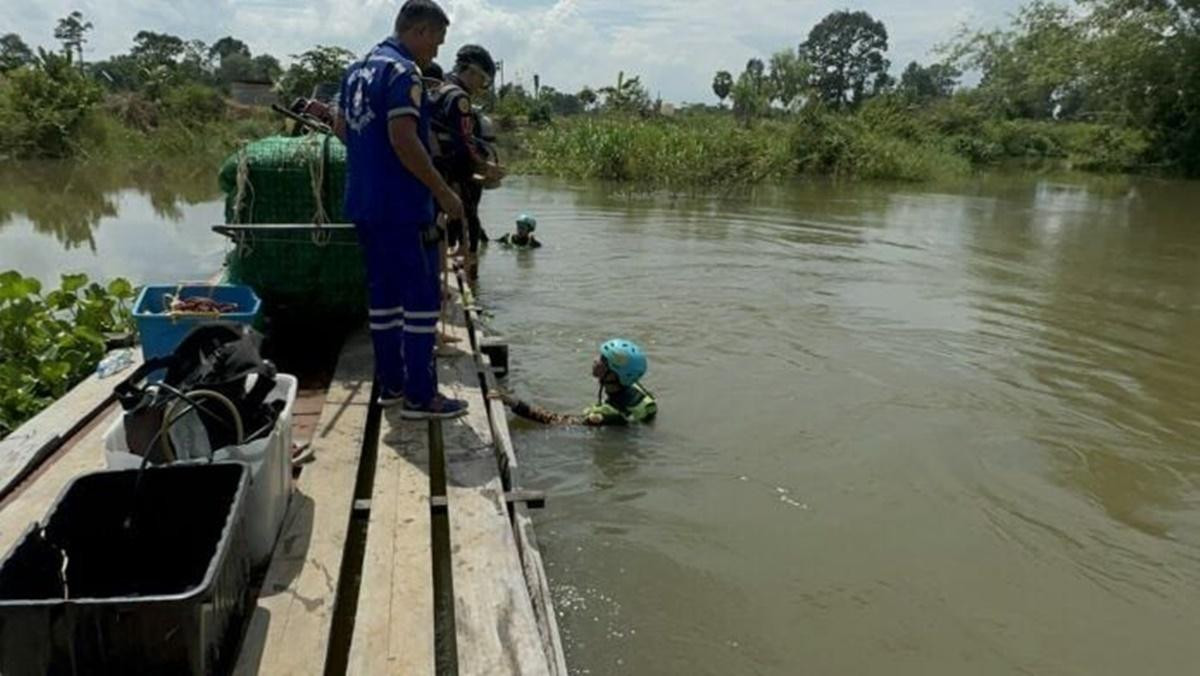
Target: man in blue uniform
{"type": "Point", "coordinates": [391, 184]}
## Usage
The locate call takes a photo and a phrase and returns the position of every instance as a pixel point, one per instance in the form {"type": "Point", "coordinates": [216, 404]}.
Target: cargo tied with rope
{"type": "Point", "coordinates": [284, 212]}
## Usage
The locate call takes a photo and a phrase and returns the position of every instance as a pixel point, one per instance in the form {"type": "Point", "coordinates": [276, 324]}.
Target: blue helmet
{"type": "Point", "coordinates": [624, 358]}
{"type": "Point", "coordinates": [527, 222]}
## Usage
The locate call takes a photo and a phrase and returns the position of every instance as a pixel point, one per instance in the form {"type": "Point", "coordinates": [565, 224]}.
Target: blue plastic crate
{"type": "Point", "coordinates": [162, 332]}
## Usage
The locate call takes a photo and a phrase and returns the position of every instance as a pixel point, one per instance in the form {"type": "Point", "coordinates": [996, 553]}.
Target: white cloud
{"type": "Point", "coordinates": [675, 45]}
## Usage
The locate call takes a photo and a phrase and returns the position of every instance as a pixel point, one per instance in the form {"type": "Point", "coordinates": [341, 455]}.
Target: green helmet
{"type": "Point", "coordinates": [527, 222]}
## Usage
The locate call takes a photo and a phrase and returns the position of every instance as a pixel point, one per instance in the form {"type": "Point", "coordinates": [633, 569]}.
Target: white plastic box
{"type": "Point", "coordinates": [270, 461]}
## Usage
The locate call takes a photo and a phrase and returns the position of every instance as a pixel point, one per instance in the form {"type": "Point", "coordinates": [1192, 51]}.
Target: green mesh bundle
{"type": "Point", "coordinates": [286, 179]}
{"type": "Point", "coordinates": [304, 268]}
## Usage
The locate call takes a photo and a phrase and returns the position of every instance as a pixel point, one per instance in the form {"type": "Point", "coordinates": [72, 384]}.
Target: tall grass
{"type": "Point", "coordinates": [885, 140]}
{"type": "Point", "coordinates": [106, 137]}
{"type": "Point", "coordinates": [658, 153]}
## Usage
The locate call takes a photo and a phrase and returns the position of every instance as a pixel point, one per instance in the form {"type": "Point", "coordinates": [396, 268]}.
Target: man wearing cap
{"type": "Point", "coordinates": [462, 160]}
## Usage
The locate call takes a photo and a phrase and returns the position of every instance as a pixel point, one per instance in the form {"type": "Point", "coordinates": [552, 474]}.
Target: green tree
{"type": "Point", "coordinates": [227, 46]}
{"type": "Point", "coordinates": [14, 53]}
{"type": "Point", "coordinates": [266, 68]}
{"type": "Point", "coordinates": [921, 84]}
{"type": "Point", "coordinates": [72, 31]}
{"type": "Point", "coordinates": [236, 67]}
{"type": "Point", "coordinates": [157, 49]}
{"type": "Point", "coordinates": [1125, 63]}
{"type": "Point", "coordinates": [513, 101]}
{"type": "Point", "coordinates": [627, 96]}
{"type": "Point", "coordinates": [561, 103]}
{"type": "Point", "coordinates": [319, 65]}
{"type": "Point", "coordinates": [788, 77]}
{"type": "Point", "coordinates": [195, 64]}
{"type": "Point", "coordinates": [121, 73]}
{"type": "Point", "coordinates": [722, 85]}
{"type": "Point", "coordinates": [1034, 69]}
{"type": "Point", "coordinates": [587, 97]}
{"type": "Point", "coordinates": [846, 50]}
{"type": "Point", "coordinates": [752, 92]}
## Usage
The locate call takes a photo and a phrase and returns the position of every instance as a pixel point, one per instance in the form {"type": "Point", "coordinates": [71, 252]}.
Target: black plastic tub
{"type": "Point", "coordinates": [157, 576]}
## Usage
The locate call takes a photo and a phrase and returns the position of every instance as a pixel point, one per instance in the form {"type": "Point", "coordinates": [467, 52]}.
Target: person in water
{"type": "Point", "coordinates": [621, 401]}
{"type": "Point", "coordinates": [523, 238]}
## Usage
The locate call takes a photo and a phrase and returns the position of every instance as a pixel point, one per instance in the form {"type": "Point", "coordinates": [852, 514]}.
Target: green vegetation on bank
{"type": "Point", "coordinates": [51, 341]}
{"type": "Point", "coordinates": [167, 97]}
{"type": "Point", "coordinates": [1097, 85]}
{"type": "Point", "coordinates": [882, 140]}
{"type": "Point", "coordinates": [1100, 85]}
{"type": "Point", "coordinates": [49, 108]}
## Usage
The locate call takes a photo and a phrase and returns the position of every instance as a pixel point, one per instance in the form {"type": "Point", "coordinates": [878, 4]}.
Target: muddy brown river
{"type": "Point", "coordinates": [904, 429]}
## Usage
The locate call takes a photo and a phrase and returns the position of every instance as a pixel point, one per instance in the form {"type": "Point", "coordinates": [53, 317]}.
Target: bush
{"type": "Point", "coordinates": [192, 104]}
{"type": "Point", "coordinates": [43, 106]}
{"type": "Point", "coordinates": [709, 151]}
{"type": "Point", "coordinates": [50, 342]}
{"type": "Point", "coordinates": [133, 110]}
{"type": "Point", "coordinates": [880, 142]}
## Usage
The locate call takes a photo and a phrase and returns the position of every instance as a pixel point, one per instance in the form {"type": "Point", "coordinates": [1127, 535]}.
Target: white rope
{"type": "Point", "coordinates": [243, 185]}
{"type": "Point", "coordinates": [316, 175]}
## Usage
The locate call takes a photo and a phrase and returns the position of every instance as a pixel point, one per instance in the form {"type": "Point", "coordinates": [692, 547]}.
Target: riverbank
{"type": "Point", "coordinates": [80, 123]}
{"type": "Point", "coordinates": [883, 141]}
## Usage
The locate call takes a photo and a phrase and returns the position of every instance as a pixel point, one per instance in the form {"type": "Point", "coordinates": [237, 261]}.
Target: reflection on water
{"type": "Point", "coordinates": [904, 429]}
{"type": "Point", "coordinates": [144, 221]}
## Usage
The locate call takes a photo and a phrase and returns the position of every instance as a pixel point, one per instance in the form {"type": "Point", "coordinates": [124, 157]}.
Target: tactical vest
{"type": "Point", "coordinates": [643, 410]}
{"type": "Point", "coordinates": [441, 102]}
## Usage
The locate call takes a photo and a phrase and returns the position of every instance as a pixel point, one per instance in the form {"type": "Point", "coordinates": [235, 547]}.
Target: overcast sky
{"type": "Point", "coordinates": [675, 45]}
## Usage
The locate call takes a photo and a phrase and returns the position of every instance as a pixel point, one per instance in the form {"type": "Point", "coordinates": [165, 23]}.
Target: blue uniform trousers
{"type": "Point", "coordinates": [405, 297]}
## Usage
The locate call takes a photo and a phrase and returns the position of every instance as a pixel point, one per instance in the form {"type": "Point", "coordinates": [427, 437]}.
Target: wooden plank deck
{"type": "Point", "coordinates": [496, 630]}
{"type": "Point", "coordinates": [503, 620]}
{"type": "Point", "coordinates": [531, 556]}
{"type": "Point", "coordinates": [290, 630]}
{"type": "Point", "coordinates": [394, 623]}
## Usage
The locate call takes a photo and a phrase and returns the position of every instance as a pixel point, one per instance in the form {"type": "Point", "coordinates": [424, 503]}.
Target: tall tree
{"type": "Point", "coordinates": [789, 75]}
{"type": "Point", "coordinates": [194, 64]}
{"type": "Point", "coordinates": [320, 65]}
{"type": "Point", "coordinates": [756, 70]}
{"type": "Point", "coordinates": [236, 67]}
{"type": "Point", "coordinates": [227, 46]}
{"type": "Point", "coordinates": [1036, 68]}
{"type": "Point", "coordinates": [920, 84]}
{"type": "Point", "coordinates": [722, 85]}
{"type": "Point", "coordinates": [266, 68]}
{"type": "Point", "coordinates": [847, 51]}
{"type": "Point", "coordinates": [72, 31]}
{"type": "Point", "coordinates": [157, 49]}
{"type": "Point", "coordinates": [752, 93]}
{"type": "Point", "coordinates": [1124, 62]}
{"type": "Point", "coordinates": [14, 53]}
{"type": "Point", "coordinates": [628, 95]}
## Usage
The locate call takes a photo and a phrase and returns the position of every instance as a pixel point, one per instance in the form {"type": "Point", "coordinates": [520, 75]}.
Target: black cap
{"type": "Point", "coordinates": [476, 55]}
{"type": "Point", "coordinates": [434, 71]}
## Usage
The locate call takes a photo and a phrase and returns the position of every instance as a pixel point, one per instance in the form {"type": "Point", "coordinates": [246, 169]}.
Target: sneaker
{"type": "Point", "coordinates": [440, 408]}
{"type": "Point", "coordinates": [388, 399]}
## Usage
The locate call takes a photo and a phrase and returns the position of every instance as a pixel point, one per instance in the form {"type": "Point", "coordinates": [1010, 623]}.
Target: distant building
{"type": "Point", "coordinates": [247, 93]}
